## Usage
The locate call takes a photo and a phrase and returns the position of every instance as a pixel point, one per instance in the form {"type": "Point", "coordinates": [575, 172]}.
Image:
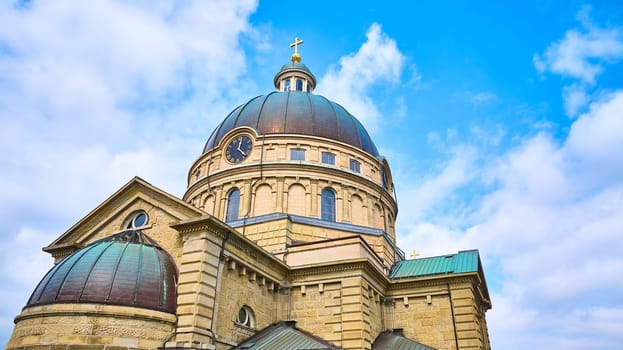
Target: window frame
{"type": "Point", "coordinates": [231, 212]}
{"type": "Point", "coordinates": [355, 166]}
{"type": "Point", "coordinates": [130, 222]}
{"type": "Point", "coordinates": [328, 205]}
{"type": "Point", "coordinates": [327, 158]}
{"type": "Point", "coordinates": [296, 153]}
{"type": "Point", "coordinates": [249, 319]}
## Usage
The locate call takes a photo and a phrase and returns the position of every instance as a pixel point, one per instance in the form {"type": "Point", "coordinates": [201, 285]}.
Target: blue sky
{"type": "Point", "coordinates": [502, 123]}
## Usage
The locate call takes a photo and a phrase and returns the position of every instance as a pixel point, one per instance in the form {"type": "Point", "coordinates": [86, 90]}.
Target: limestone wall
{"type": "Point", "coordinates": [269, 182]}
{"type": "Point", "coordinates": [241, 287]}
{"type": "Point", "coordinates": [425, 313]}
{"type": "Point", "coordinates": [90, 326]}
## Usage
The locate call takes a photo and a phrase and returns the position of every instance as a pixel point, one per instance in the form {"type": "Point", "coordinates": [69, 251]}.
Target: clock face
{"type": "Point", "coordinates": [238, 149]}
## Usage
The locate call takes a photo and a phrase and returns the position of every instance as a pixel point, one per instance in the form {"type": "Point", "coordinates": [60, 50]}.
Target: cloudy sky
{"type": "Point", "coordinates": [503, 125]}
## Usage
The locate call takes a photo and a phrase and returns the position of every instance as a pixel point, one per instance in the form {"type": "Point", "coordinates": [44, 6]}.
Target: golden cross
{"type": "Point", "coordinates": [295, 56]}
{"type": "Point", "coordinates": [414, 254]}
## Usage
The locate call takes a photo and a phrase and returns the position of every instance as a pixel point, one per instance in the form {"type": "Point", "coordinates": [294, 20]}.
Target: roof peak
{"type": "Point", "coordinates": [295, 76]}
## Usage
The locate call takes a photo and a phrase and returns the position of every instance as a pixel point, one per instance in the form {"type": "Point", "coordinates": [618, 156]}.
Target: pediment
{"type": "Point", "coordinates": [163, 209]}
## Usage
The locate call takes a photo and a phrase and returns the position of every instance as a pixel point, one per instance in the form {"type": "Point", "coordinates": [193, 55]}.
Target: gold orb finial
{"type": "Point", "coordinates": [296, 58]}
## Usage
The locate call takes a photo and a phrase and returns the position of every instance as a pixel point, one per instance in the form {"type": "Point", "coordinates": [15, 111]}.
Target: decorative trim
{"type": "Point", "coordinates": [36, 312]}
{"type": "Point", "coordinates": [431, 282]}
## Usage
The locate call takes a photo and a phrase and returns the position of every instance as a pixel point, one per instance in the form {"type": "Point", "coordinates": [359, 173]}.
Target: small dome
{"type": "Point", "coordinates": [127, 269]}
{"type": "Point", "coordinates": [296, 113]}
{"type": "Point", "coordinates": [295, 69]}
{"type": "Point", "coordinates": [295, 65]}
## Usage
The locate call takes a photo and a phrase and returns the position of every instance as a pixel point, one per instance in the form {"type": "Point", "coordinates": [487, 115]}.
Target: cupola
{"type": "Point", "coordinates": [295, 76]}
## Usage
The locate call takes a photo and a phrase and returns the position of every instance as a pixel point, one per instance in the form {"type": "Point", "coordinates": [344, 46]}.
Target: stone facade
{"type": "Point", "coordinates": [91, 326]}
{"type": "Point", "coordinates": [269, 254]}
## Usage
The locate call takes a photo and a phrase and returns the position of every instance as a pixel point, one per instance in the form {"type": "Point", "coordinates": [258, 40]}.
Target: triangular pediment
{"type": "Point", "coordinates": [163, 209]}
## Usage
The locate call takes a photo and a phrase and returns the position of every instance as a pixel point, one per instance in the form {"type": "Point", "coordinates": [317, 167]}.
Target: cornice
{"type": "Point", "coordinates": [364, 266]}
{"type": "Point", "coordinates": [96, 310]}
{"type": "Point", "coordinates": [231, 237]}
{"type": "Point", "coordinates": [432, 281]}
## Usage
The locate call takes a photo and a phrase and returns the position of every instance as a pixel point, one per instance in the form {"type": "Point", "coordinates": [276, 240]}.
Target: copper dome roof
{"type": "Point", "coordinates": [127, 269]}
{"type": "Point", "coordinates": [296, 113]}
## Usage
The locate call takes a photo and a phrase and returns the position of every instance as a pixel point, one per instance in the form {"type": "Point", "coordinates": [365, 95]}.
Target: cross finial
{"type": "Point", "coordinates": [414, 254]}
{"type": "Point", "coordinates": [295, 56]}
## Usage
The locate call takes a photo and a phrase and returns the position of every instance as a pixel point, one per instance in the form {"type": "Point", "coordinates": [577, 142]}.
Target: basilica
{"type": "Point", "coordinates": [284, 239]}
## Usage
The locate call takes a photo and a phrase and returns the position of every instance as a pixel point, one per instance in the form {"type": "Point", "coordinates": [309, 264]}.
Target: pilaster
{"type": "Point", "coordinates": [198, 273]}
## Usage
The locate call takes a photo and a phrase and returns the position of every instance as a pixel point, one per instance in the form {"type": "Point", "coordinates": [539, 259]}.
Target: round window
{"type": "Point", "coordinates": [245, 317]}
{"type": "Point", "coordinates": [137, 219]}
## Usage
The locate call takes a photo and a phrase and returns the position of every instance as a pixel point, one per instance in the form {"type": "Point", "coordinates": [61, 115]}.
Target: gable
{"type": "Point", "coordinates": [162, 209]}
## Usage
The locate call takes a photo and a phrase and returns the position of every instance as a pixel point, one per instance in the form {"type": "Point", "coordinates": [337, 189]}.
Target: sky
{"type": "Point", "coordinates": [502, 123]}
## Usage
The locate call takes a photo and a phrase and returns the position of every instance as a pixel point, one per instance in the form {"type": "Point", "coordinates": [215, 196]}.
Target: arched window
{"type": "Point", "coordinates": [327, 205]}
{"type": "Point", "coordinates": [384, 179]}
{"type": "Point", "coordinates": [136, 219]}
{"type": "Point", "coordinates": [233, 204]}
{"type": "Point", "coordinates": [245, 317]}
{"type": "Point", "coordinates": [299, 85]}
{"type": "Point", "coordinates": [287, 85]}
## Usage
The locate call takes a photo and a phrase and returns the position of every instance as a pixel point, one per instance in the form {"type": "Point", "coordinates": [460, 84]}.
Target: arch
{"type": "Point", "coordinates": [377, 216]}
{"type": "Point", "coordinates": [356, 209]}
{"type": "Point", "coordinates": [264, 200]}
{"type": "Point", "coordinates": [296, 200]}
{"type": "Point", "coordinates": [208, 204]}
{"type": "Point", "coordinates": [390, 223]}
{"type": "Point", "coordinates": [327, 204]}
{"type": "Point", "coordinates": [233, 205]}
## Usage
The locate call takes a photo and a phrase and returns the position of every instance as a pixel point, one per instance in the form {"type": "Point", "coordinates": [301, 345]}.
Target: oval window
{"type": "Point", "coordinates": [136, 220]}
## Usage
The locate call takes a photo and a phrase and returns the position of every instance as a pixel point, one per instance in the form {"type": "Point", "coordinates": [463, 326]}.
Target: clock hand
{"type": "Point", "coordinates": [239, 149]}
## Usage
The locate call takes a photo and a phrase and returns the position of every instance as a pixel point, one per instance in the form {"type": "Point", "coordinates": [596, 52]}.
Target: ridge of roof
{"type": "Point", "coordinates": [284, 335]}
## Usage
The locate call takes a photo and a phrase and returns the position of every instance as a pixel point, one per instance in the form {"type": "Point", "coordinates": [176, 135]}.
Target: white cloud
{"type": "Point", "coordinates": [581, 53]}
{"type": "Point", "coordinates": [377, 60]}
{"type": "Point", "coordinates": [478, 99]}
{"type": "Point", "coordinates": [575, 98]}
{"type": "Point", "coordinates": [596, 138]}
{"type": "Point", "coordinates": [89, 94]}
{"type": "Point", "coordinates": [548, 225]}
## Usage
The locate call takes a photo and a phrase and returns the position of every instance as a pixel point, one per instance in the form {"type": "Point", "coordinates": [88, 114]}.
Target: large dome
{"type": "Point", "coordinates": [127, 269]}
{"type": "Point", "coordinates": [294, 112]}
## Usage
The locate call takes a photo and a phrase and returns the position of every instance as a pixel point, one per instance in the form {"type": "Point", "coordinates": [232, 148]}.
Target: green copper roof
{"type": "Point", "coordinates": [463, 262]}
{"type": "Point", "coordinates": [284, 335]}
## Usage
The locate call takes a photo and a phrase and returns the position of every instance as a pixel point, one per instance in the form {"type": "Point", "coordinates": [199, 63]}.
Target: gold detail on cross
{"type": "Point", "coordinates": [295, 56]}
{"type": "Point", "coordinates": [414, 254]}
